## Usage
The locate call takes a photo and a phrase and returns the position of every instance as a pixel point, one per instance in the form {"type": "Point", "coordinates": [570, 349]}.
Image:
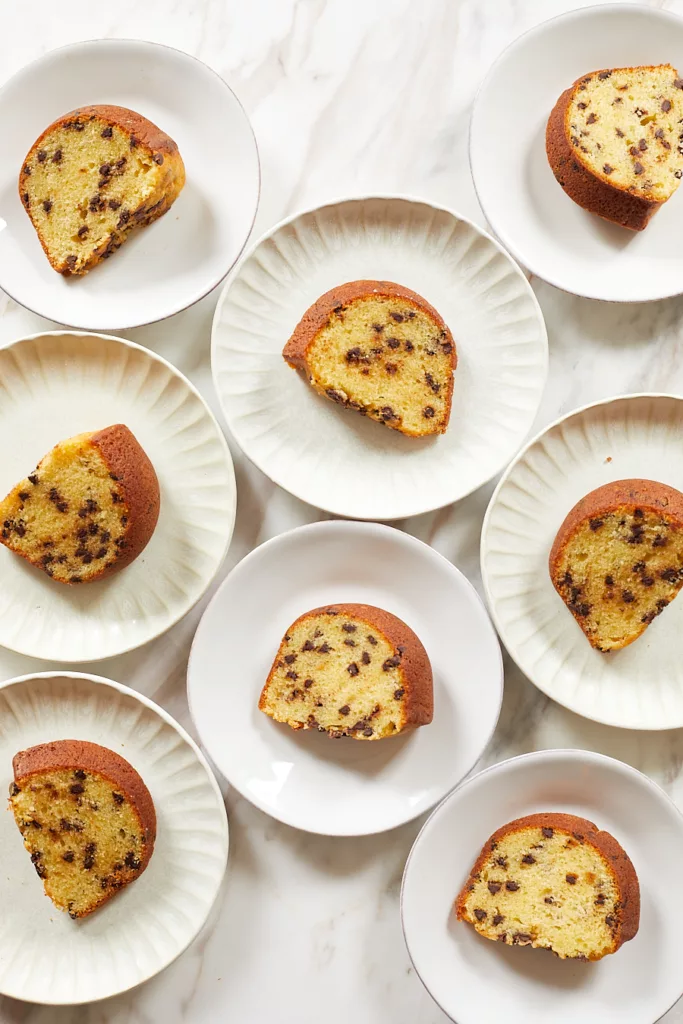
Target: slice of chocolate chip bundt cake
{"type": "Point", "coordinates": [91, 177]}
{"type": "Point", "coordinates": [381, 350]}
{"type": "Point", "coordinates": [617, 559]}
{"type": "Point", "coordinates": [87, 510]}
{"type": "Point", "coordinates": [87, 819]}
{"type": "Point", "coordinates": [553, 881]}
{"type": "Point", "coordinates": [614, 142]}
{"type": "Point", "coordinates": [350, 670]}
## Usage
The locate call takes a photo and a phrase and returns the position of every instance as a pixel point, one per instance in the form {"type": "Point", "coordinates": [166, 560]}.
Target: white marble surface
{"type": "Point", "coordinates": [346, 96]}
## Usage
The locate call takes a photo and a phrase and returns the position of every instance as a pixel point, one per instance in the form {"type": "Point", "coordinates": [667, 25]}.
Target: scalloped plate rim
{"type": "Point", "coordinates": [231, 482]}
{"type": "Point", "coordinates": [365, 197]}
{"type": "Point", "coordinates": [200, 757]}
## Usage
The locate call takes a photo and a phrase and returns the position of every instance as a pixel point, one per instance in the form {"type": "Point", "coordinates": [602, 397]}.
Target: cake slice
{"type": "Point", "coordinates": [617, 559]}
{"type": "Point", "coordinates": [87, 510]}
{"type": "Point", "coordinates": [350, 670]}
{"type": "Point", "coordinates": [614, 142]}
{"type": "Point", "coordinates": [381, 350]}
{"type": "Point", "coordinates": [91, 177]}
{"type": "Point", "coordinates": [87, 819]}
{"type": "Point", "coordinates": [553, 881]}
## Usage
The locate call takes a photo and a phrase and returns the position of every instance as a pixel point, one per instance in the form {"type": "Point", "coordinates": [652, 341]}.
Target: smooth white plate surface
{"type": "Point", "coordinates": [45, 957]}
{"type": "Point", "coordinates": [172, 263]}
{"type": "Point", "coordinates": [526, 208]}
{"type": "Point", "coordinates": [475, 980]}
{"type": "Point", "coordinates": [335, 459]}
{"type": "Point", "coordinates": [343, 787]}
{"type": "Point", "coordinates": [640, 687]}
{"type": "Point", "coordinates": [53, 386]}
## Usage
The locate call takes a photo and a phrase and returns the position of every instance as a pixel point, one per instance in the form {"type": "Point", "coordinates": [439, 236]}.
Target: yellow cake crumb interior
{"type": "Point", "coordinates": [69, 516]}
{"type": "Point", "coordinates": [84, 185]}
{"type": "Point", "coordinates": [618, 571]}
{"type": "Point", "coordinates": [548, 889]}
{"type": "Point", "coordinates": [337, 674]}
{"type": "Point", "coordinates": [83, 835]}
{"type": "Point", "coordinates": [387, 358]}
{"type": "Point", "coordinates": [627, 127]}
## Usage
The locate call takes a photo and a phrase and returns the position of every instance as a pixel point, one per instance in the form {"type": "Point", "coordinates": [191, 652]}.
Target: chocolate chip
{"type": "Point", "coordinates": [409, 347]}
{"type": "Point", "coordinates": [123, 218]}
{"type": "Point", "coordinates": [372, 640]}
{"type": "Point", "coordinates": [398, 317]}
{"type": "Point", "coordinates": [114, 204]}
{"type": "Point", "coordinates": [603, 75]}
{"type": "Point", "coordinates": [290, 658]}
{"type": "Point", "coordinates": [647, 581]}
{"type": "Point", "coordinates": [387, 413]}
{"type": "Point", "coordinates": [365, 658]}
{"type": "Point", "coordinates": [428, 412]}
{"type": "Point", "coordinates": [512, 886]}
{"type": "Point", "coordinates": [77, 788]}
{"type": "Point", "coordinates": [661, 604]}
{"type": "Point", "coordinates": [595, 524]}
{"type": "Point", "coordinates": [494, 887]}
{"type": "Point", "coordinates": [158, 158]}
{"type": "Point", "coordinates": [670, 575]}
{"type": "Point", "coordinates": [609, 581]}
{"type": "Point", "coordinates": [390, 663]}
{"type": "Point", "coordinates": [131, 861]}
{"type": "Point", "coordinates": [609, 921]}
{"type": "Point", "coordinates": [480, 914]}
{"type": "Point", "coordinates": [548, 833]}
{"type": "Point", "coordinates": [648, 617]}
{"type": "Point", "coordinates": [324, 648]}
{"type": "Point", "coordinates": [352, 669]}
{"type": "Point", "coordinates": [80, 774]}
{"type": "Point", "coordinates": [600, 899]}
{"type": "Point", "coordinates": [33, 478]}
{"type": "Point", "coordinates": [666, 106]}
{"type": "Point", "coordinates": [133, 142]}
{"type": "Point", "coordinates": [393, 342]}
{"type": "Point", "coordinates": [582, 106]}
{"type": "Point", "coordinates": [292, 675]}
{"type": "Point", "coordinates": [107, 132]}
{"type": "Point", "coordinates": [345, 710]}
{"type": "Point", "coordinates": [548, 899]}
{"type": "Point", "coordinates": [498, 919]}
{"type": "Point", "coordinates": [68, 856]}
{"type": "Point", "coordinates": [105, 170]}
{"type": "Point", "coordinates": [398, 693]}
{"type": "Point", "coordinates": [47, 205]}
{"type": "Point", "coordinates": [638, 513]}
{"type": "Point", "coordinates": [57, 157]}
{"type": "Point", "coordinates": [528, 859]}
{"type": "Point", "coordinates": [121, 162]}
{"type": "Point", "coordinates": [628, 596]}
{"type": "Point", "coordinates": [572, 879]}
{"type": "Point", "coordinates": [354, 355]}
{"type": "Point", "coordinates": [638, 567]}
{"type": "Point", "coordinates": [658, 542]}
{"type": "Point", "coordinates": [502, 862]}
{"type": "Point", "coordinates": [638, 168]}
{"type": "Point", "coordinates": [42, 156]}
{"type": "Point", "coordinates": [89, 858]}
{"type": "Point", "coordinates": [678, 83]}
{"type": "Point", "coordinates": [591, 119]}
{"type": "Point", "coordinates": [83, 231]}
{"type": "Point", "coordinates": [642, 145]}
{"type": "Point", "coordinates": [367, 731]}
{"type": "Point", "coordinates": [607, 168]}
{"type": "Point", "coordinates": [391, 368]}
{"type": "Point", "coordinates": [118, 798]}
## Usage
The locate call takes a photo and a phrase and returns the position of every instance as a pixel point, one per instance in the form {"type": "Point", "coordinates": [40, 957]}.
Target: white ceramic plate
{"type": "Point", "coordinates": [173, 262]}
{"type": "Point", "coordinates": [526, 208]}
{"type": "Point", "coordinates": [475, 980]}
{"type": "Point", "coordinates": [640, 687]}
{"type": "Point", "coordinates": [55, 385]}
{"type": "Point", "coordinates": [45, 957]}
{"type": "Point", "coordinates": [343, 787]}
{"type": "Point", "coordinates": [343, 462]}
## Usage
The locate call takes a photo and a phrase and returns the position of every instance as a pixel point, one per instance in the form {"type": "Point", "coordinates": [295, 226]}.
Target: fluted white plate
{"type": "Point", "coordinates": [527, 209]}
{"type": "Point", "coordinates": [640, 687]}
{"type": "Point", "coordinates": [178, 259]}
{"type": "Point", "coordinates": [45, 957]}
{"type": "Point", "coordinates": [337, 460]}
{"type": "Point", "coordinates": [476, 981]}
{"type": "Point", "coordinates": [55, 385]}
{"type": "Point", "coordinates": [345, 786]}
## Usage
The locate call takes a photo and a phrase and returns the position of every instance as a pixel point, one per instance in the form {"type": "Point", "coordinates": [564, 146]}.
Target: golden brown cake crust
{"type": "Point", "coordinates": [619, 861]}
{"type": "Point", "coordinates": [317, 316]}
{"type": "Point", "coordinates": [645, 494]}
{"type": "Point", "coordinates": [137, 479]}
{"type": "Point", "coordinates": [80, 754]}
{"type": "Point", "coordinates": [587, 189]}
{"type": "Point", "coordinates": [145, 133]}
{"type": "Point", "coordinates": [419, 689]}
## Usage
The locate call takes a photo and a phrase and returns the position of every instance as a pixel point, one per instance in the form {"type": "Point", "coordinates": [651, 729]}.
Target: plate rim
{"type": "Point", "coordinates": [128, 691]}
{"type": "Point", "coordinates": [230, 467]}
{"type": "Point", "coordinates": [322, 526]}
{"type": "Point", "coordinates": [575, 753]}
{"type": "Point", "coordinates": [365, 197]}
{"type": "Point", "coordinates": [142, 43]}
{"type": "Point", "coordinates": [505, 241]}
{"type": "Point", "coordinates": [483, 546]}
